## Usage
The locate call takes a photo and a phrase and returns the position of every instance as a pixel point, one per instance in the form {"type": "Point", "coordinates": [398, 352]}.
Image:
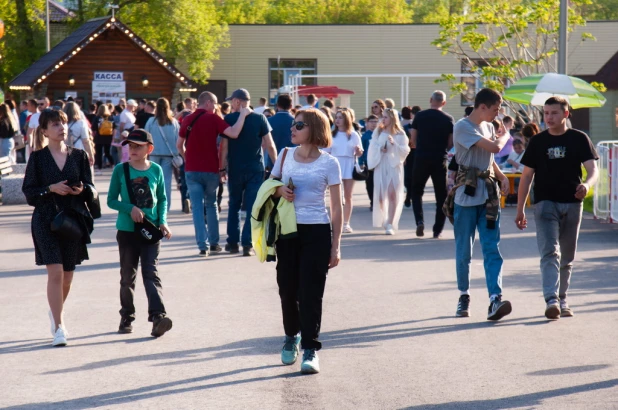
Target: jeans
{"type": "Point", "coordinates": [202, 188]}
{"type": "Point", "coordinates": [369, 187]}
{"type": "Point", "coordinates": [243, 185]}
{"type": "Point", "coordinates": [408, 167]}
{"type": "Point", "coordinates": [301, 275]}
{"type": "Point", "coordinates": [423, 169]}
{"type": "Point", "coordinates": [116, 154]}
{"type": "Point", "coordinates": [101, 149]}
{"type": "Point", "coordinates": [131, 253]}
{"type": "Point", "coordinates": [557, 230]}
{"type": "Point", "coordinates": [7, 146]}
{"type": "Point", "coordinates": [183, 184]}
{"type": "Point", "coordinates": [467, 220]}
{"type": "Point", "coordinates": [165, 161]}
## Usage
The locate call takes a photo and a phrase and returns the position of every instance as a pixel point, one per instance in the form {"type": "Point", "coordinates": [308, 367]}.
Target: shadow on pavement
{"type": "Point", "coordinates": [569, 370]}
{"type": "Point", "coordinates": [524, 400]}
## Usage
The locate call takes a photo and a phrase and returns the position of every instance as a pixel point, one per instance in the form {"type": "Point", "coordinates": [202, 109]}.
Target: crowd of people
{"type": "Point", "coordinates": [279, 165]}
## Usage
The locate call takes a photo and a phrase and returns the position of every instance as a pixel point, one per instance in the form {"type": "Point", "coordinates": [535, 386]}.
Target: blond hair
{"type": "Point", "coordinates": [395, 127]}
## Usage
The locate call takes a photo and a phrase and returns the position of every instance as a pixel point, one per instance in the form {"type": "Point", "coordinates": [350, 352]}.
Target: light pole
{"type": "Point", "coordinates": [562, 39]}
{"type": "Point", "coordinates": [48, 37]}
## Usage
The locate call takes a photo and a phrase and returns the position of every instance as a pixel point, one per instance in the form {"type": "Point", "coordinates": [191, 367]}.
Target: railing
{"type": "Point", "coordinates": [606, 189]}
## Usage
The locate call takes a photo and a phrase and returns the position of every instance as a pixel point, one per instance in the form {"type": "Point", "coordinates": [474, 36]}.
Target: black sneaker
{"type": "Point", "coordinates": [420, 230]}
{"type": "Point", "coordinates": [407, 203]}
{"type": "Point", "coordinates": [125, 326]}
{"type": "Point", "coordinates": [498, 309]}
{"type": "Point", "coordinates": [232, 248]}
{"type": "Point", "coordinates": [161, 325]}
{"type": "Point", "coordinates": [215, 249]}
{"type": "Point", "coordinates": [205, 253]}
{"type": "Point", "coordinates": [247, 251]}
{"type": "Point", "coordinates": [463, 307]}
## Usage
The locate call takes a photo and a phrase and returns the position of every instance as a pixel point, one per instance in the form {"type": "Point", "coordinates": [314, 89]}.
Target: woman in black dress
{"type": "Point", "coordinates": [54, 181]}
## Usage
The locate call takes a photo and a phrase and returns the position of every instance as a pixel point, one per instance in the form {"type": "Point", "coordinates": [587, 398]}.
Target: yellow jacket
{"type": "Point", "coordinates": [271, 218]}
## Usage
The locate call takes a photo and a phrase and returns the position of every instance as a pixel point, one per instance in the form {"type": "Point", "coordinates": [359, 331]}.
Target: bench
{"type": "Point", "coordinates": [11, 181]}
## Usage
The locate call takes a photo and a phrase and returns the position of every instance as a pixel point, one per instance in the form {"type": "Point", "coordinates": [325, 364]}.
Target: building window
{"type": "Point", "coordinates": [280, 71]}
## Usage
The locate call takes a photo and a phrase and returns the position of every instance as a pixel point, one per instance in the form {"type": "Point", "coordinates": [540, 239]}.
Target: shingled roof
{"type": "Point", "coordinates": [58, 13]}
{"type": "Point", "coordinates": [75, 42]}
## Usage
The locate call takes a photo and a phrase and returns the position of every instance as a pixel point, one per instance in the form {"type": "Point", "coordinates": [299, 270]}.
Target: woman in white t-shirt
{"type": "Point", "coordinates": [78, 131]}
{"type": "Point", "coordinates": [304, 261]}
{"type": "Point", "coordinates": [387, 152]}
{"type": "Point", "coordinates": [346, 147]}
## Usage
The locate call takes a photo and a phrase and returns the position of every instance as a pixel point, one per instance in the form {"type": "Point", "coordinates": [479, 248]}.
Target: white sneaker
{"type": "Point", "coordinates": [60, 337]}
{"type": "Point", "coordinates": [347, 228]}
{"type": "Point", "coordinates": [389, 229]}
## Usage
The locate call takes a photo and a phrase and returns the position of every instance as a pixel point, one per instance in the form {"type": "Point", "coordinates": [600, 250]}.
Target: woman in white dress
{"type": "Point", "coordinates": [79, 134]}
{"type": "Point", "coordinates": [388, 150]}
{"type": "Point", "coordinates": [346, 147]}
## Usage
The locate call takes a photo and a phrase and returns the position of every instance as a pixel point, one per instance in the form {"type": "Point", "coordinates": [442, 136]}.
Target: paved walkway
{"type": "Point", "coordinates": [390, 336]}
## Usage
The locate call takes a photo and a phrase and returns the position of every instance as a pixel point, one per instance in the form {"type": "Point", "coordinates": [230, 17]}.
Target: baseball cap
{"type": "Point", "coordinates": [132, 102]}
{"type": "Point", "coordinates": [139, 137]}
{"type": "Point", "coordinates": [241, 94]}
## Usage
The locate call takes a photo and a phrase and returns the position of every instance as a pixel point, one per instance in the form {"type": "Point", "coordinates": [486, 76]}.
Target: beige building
{"type": "Point", "coordinates": [262, 58]}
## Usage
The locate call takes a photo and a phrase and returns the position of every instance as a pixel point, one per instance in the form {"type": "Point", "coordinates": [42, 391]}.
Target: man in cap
{"type": "Point", "coordinates": [127, 118]}
{"type": "Point", "coordinates": [242, 163]}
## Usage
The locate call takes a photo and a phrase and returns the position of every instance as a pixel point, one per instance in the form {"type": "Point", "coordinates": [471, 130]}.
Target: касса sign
{"type": "Point", "coordinates": [108, 76]}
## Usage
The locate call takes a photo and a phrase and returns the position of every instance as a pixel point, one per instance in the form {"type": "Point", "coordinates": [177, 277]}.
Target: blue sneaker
{"type": "Point", "coordinates": [311, 363]}
{"type": "Point", "coordinates": [290, 350]}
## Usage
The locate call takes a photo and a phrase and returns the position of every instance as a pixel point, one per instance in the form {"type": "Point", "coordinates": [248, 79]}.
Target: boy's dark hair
{"type": "Point", "coordinates": [329, 103]}
{"type": "Point", "coordinates": [372, 117]}
{"type": "Point", "coordinates": [180, 106]}
{"type": "Point", "coordinates": [311, 99]}
{"type": "Point", "coordinates": [33, 102]}
{"type": "Point", "coordinates": [507, 118]}
{"type": "Point", "coordinates": [406, 113]}
{"type": "Point", "coordinates": [59, 104]}
{"type": "Point", "coordinates": [118, 109]}
{"type": "Point", "coordinates": [562, 102]}
{"type": "Point", "coordinates": [92, 107]}
{"type": "Point", "coordinates": [416, 109]}
{"type": "Point", "coordinates": [284, 101]}
{"type": "Point", "coordinates": [488, 97]}
{"type": "Point", "coordinates": [468, 111]}
{"type": "Point", "coordinates": [152, 104]}
{"type": "Point", "coordinates": [143, 101]}
{"type": "Point", "coordinates": [262, 100]}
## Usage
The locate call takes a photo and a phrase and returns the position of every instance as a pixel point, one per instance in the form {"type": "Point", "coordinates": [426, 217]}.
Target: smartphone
{"type": "Point", "coordinates": [75, 184]}
{"type": "Point", "coordinates": [291, 184]}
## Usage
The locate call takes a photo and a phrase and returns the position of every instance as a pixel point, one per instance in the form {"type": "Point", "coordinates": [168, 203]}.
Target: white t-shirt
{"type": "Point", "coordinates": [79, 131]}
{"type": "Point", "coordinates": [311, 181]}
{"type": "Point", "coordinates": [127, 118]}
{"type": "Point", "coordinates": [306, 107]}
{"type": "Point", "coordinates": [260, 110]}
{"type": "Point", "coordinates": [344, 146]}
{"type": "Point", "coordinates": [34, 120]}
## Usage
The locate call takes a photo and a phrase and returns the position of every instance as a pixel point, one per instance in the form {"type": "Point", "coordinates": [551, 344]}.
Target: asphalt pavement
{"type": "Point", "coordinates": [389, 333]}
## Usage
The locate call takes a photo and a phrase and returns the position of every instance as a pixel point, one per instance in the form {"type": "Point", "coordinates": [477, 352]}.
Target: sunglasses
{"type": "Point", "coordinates": [299, 125]}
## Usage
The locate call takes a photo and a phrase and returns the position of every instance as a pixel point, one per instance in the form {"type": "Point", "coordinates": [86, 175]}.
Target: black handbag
{"type": "Point", "coordinates": [359, 173]}
{"type": "Point", "coordinates": [66, 225]}
{"type": "Point", "coordinates": [147, 232]}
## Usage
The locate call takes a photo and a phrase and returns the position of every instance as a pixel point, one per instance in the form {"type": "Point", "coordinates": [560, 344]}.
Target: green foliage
{"type": "Point", "coordinates": [24, 39]}
{"type": "Point", "coordinates": [600, 10]}
{"type": "Point", "coordinates": [179, 29]}
{"type": "Point", "coordinates": [436, 10]}
{"type": "Point", "coordinates": [505, 40]}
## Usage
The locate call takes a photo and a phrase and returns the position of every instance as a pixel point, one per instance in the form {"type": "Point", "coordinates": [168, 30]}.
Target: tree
{"type": "Point", "coordinates": [505, 40]}
{"type": "Point", "coordinates": [437, 10]}
{"type": "Point", "coordinates": [24, 41]}
{"type": "Point", "coordinates": [601, 10]}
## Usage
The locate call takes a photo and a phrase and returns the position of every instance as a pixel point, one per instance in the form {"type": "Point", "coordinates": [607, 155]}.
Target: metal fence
{"type": "Point", "coordinates": [606, 189]}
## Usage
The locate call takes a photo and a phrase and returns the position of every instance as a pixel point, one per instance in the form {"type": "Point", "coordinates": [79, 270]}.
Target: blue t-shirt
{"type": "Point", "coordinates": [281, 124]}
{"type": "Point", "coordinates": [365, 140]}
{"type": "Point", "coordinates": [245, 152]}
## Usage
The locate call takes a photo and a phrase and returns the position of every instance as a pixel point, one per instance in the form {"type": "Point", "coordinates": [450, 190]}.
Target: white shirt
{"type": "Point", "coordinates": [306, 107]}
{"type": "Point", "coordinates": [78, 130]}
{"type": "Point", "coordinates": [34, 120]}
{"type": "Point", "coordinates": [311, 181]}
{"type": "Point", "coordinates": [127, 118]}
{"type": "Point", "coordinates": [344, 146]}
{"type": "Point", "coordinates": [514, 157]}
{"type": "Point", "coordinates": [260, 110]}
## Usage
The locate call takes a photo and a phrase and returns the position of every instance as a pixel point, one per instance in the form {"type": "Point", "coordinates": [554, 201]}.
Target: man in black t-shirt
{"type": "Point", "coordinates": [142, 117]}
{"type": "Point", "coordinates": [554, 159]}
{"type": "Point", "coordinates": [431, 133]}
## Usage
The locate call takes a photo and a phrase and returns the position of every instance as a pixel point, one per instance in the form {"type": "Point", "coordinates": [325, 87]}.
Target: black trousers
{"type": "Point", "coordinates": [301, 275]}
{"type": "Point", "coordinates": [407, 174]}
{"type": "Point", "coordinates": [99, 149]}
{"type": "Point", "coordinates": [369, 186]}
{"type": "Point", "coordinates": [422, 171]}
{"type": "Point", "coordinates": [131, 253]}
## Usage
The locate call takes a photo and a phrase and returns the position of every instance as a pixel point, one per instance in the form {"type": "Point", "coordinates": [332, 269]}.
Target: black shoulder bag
{"type": "Point", "coordinates": [190, 127]}
{"type": "Point", "coordinates": [146, 231]}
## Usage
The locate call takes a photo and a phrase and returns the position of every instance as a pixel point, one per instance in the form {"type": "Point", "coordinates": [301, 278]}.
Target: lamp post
{"type": "Point", "coordinates": [562, 39]}
{"type": "Point", "coordinates": [48, 36]}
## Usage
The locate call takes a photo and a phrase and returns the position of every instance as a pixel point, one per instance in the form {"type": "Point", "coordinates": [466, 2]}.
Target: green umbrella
{"type": "Point", "coordinates": [536, 89]}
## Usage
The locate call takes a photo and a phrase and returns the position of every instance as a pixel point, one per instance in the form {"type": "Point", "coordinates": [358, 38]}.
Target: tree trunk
{"type": "Point", "coordinates": [80, 11]}
{"type": "Point", "coordinates": [25, 29]}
